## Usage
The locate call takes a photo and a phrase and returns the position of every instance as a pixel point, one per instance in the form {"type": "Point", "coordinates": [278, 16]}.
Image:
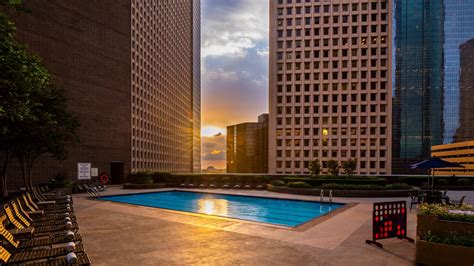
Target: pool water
{"type": "Point", "coordinates": [283, 212]}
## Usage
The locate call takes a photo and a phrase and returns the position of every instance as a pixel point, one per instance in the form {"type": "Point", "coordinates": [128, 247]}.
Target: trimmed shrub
{"type": "Point", "coordinates": [398, 186]}
{"type": "Point", "coordinates": [317, 182]}
{"type": "Point", "coordinates": [441, 182]}
{"type": "Point", "coordinates": [278, 183]}
{"type": "Point", "coordinates": [351, 187]}
{"type": "Point", "coordinates": [159, 177]}
{"type": "Point", "coordinates": [466, 241]}
{"type": "Point", "coordinates": [464, 181]}
{"type": "Point", "coordinates": [144, 178]}
{"type": "Point", "coordinates": [299, 185]}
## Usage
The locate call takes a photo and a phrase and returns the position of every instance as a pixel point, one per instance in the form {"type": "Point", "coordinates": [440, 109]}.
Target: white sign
{"type": "Point", "coordinates": [94, 172]}
{"type": "Point", "coordinates": [83, 171]}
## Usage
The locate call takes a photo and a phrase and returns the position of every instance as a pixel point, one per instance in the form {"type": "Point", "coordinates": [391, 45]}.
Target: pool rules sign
{"type": "Point", "coordinates": [83, 171]}
{"type": "Point", "coordinates": [389, 220]}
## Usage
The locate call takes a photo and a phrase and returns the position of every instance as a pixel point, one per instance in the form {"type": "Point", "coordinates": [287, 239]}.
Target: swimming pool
{"type": "Point", "coordinates": [283, 212]}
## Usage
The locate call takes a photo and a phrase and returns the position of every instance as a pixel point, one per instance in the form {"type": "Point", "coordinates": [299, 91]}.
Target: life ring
{"type": "Point", "coordinates": [104, 179]}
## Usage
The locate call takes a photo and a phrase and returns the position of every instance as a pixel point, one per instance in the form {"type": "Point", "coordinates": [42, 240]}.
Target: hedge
{"type": "Point", "coordinates": [317, 182]}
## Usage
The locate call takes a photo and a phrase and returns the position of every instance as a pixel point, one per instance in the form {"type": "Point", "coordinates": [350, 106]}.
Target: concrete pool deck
{"type": "Point", "coordinates": [120, 234]}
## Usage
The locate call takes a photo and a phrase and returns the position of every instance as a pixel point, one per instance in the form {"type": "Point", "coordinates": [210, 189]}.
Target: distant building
{"type": "Point", "coordinates": [459, 152]}
{"type": "Point", "coordinates": [465, 130]}
{"type": "Point", "coordinates": [247, 147]}
{"type": "Point", "coordinates": [131, 73]}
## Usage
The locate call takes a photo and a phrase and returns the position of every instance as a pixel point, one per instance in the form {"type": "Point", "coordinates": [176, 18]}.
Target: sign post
{"type": "Point", "coordinates": [389, 220]}
{"type": "Point", "coordinates": [83, 171]}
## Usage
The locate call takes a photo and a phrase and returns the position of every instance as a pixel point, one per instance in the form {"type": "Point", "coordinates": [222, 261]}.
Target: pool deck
{"type": "Point", "coordinates": [121, 234]}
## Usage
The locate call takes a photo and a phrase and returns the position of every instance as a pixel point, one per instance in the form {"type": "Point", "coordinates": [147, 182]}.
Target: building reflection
{"type": "Point", "coordinates": [213, 206]}
{"type": "Point", "coordinates": [433, 90]}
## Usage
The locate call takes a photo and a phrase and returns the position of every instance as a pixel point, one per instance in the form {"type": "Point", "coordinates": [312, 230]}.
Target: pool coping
{"type": "Point", "coordinates": [300, 228]}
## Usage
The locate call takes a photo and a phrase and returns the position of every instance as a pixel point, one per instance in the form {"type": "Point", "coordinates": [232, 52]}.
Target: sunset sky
{"type": "Point", "coordinates": [234, 40]}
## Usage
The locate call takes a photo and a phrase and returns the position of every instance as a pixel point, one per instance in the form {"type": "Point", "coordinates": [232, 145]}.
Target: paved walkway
{"type": "Point", "coordinates": [119, 234]}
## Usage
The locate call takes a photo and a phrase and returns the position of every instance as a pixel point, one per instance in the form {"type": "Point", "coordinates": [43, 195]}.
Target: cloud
{"type": "Point", "coordinates": [213, 148]}
{"type": "Point", "coordinates": [231, 27]}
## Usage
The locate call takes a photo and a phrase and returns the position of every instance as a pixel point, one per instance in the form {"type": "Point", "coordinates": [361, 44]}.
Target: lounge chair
{"type": "Point", "coordinates": [50, 197]}
{"type": "Point", "coordinates": [22, 223]}
{"type": "Point", "coordinates": [17, 208]}
{"type": "Point", "coordinates": [18, 256]}
{"type": "Point", "coordinates": [458, 202]}
{"type": "Point", "coordinates": [39, 241]}
{"type": "Point", "coordinates": [41, 215]}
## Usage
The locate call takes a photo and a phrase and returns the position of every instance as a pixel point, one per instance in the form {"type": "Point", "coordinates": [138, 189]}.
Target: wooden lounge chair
{"type": "Point", "coordinates": [33, 255]}
{"type": "Point", "coordinates": [22, 223]}
{"type": "Point", "coordinates": [39, 241]}
{"type": "Point", "coordinates": [19, 211]}
{"type": "Point", "coordinates": [458, 202]}
{"type": "Point", "coordinates": [41, 215]}
{"type": "Point", "coordinates": [49, 206]}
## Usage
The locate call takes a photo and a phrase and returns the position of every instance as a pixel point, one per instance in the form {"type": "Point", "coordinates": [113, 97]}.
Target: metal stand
{"type": "Point", "coordinates": [375, 243]}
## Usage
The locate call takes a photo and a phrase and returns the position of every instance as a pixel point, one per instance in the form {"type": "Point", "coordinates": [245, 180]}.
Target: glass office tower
{"type": "Point", "coordinates": [427, 108]}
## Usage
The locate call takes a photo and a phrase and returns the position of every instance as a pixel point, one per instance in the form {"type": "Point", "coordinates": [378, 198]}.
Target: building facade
{"type": "Point", "coordinates": [330, 84]}
{"type": "Point", "coordinates": [130, 71]}
{"type": "Point", "coordinates": [459, 152]}
{"type": "Point", "coordinates": [247, 147]}
{"type": "Point", "coordinates": [429, 87]}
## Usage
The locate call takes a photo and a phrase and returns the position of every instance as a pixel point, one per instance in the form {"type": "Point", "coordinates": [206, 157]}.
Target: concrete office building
{"type": "Point", "coordinates": [330, 84]}
{"type": "Point", "coordinates": [130, 71]}
{"type": "Point", "coordinates": [247, 147]}
{"type": "Point", "coordinates": [459, 152]}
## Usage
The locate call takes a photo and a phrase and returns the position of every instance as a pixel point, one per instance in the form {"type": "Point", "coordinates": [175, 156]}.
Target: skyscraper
{"type": "Point", "coordinates": [427, 99]}
{"type": "Point", "coordinates": [465, 131]}
{"type": "Point", "coordinates": [418, 97]}
{"type": "Point", "coordinates": [247, 147]}
{"type": "Point", "coordinates": [330, 84]}
{"type": "Point", "coordinates": [131, 72]}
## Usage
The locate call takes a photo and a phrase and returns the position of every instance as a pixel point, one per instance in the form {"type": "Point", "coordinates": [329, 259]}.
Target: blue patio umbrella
{"type": "Point", "coordinates": [433, 163]}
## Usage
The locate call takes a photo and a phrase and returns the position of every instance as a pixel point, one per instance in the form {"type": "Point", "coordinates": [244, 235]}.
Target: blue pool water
{"type": "Point", "coordinates": [267, 210]}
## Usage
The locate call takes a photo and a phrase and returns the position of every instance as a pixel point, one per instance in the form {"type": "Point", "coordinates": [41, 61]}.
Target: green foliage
{"type": "Point", "coordinates": [59, 181]}
{"type": "Point", "coordinates": [442, 211]}
{"type": "Point", "coordinates": [464, 181]}
{"type": "Point", "coordinates": [299, 185]}
{"type": "Point", "coordinates": [441, 182]}
{"type": "Point", "coordinates": [314, 168]}
{"type": "Point", "coordinates": [33, 116]}
{"type": "Point", "coordinates": [457, 240]}
{"type": "Point", "coordinates": [398, 186]}
{"type": "Point", "coordinates": [349, 167]}
{"type": "Point", "coordinates": [351, 187]}
{"type": "Point", "coordinates": [160, 177]}
{"type": "Point", "coordinates": [278, 183]}
{"type": "Point", "coordinates": [144, 177]}
{"type": "Point", "coordinates": [333, 167]}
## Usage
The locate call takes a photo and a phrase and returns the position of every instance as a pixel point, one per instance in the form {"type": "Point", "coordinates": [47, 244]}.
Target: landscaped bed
{"type": "Point", "coordinates": [445, 232]}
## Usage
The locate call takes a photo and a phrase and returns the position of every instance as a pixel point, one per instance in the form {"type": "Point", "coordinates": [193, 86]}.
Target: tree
{"type": "Point", "coordinates": [350, 167]}
{"type": "Point", "coordinates": [333, 167]}
{"type": "Point", "coordinates": [314, 168]}
{"type": "Point", "coordinates": [33, 115]}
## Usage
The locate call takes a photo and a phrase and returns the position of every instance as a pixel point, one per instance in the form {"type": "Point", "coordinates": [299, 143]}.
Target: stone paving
{"type": "Point", "coordinates": [120, 234]}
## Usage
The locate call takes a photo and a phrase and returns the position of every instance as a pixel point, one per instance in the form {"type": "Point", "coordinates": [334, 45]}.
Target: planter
{"type": "Point", "coordinates": [430, 253]}
{"type": "Point", "coordinates": [436, 226]}
{"type": "Point", "coordinates": [143, 186]}
{"type": "Point", "coordinates": [341, 193]}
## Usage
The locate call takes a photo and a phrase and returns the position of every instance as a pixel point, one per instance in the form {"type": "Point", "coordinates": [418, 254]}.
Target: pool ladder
{"type": "Point", "coordinates": [321, 195]}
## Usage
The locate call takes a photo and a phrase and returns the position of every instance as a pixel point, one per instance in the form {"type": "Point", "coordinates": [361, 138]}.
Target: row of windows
{"type": "Point", "coordinates": [309, 44]}
{"type": "Point", "coordinates": [334, 98]}
{"type": "Point", "coordinates": [354, 86]}
{"type": "Point", "coordinates": [374, 6]}
{"type": "Point", "coordinates": [325, 142]}
{"type": "Point", "coordinates": [326, 132]}
{"type": "Point", "coordinates": [308, 33]}
{"type": "Point", "coordinates": [333, 19]}
{"type": "Point", "coordinates": [332, 54]}
{"type": "Point", "coordinates": [333, 153]}
{"type": "Point", "coordinates": [325, 76]}
{"type": "Point", "coordinates": [335, 119]}
{"type": "Point", "coordinates": [305, 164]}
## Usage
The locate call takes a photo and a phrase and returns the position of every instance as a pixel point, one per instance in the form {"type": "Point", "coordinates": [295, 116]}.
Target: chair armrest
{"type": "Point", "coordinates": [46, 202]}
